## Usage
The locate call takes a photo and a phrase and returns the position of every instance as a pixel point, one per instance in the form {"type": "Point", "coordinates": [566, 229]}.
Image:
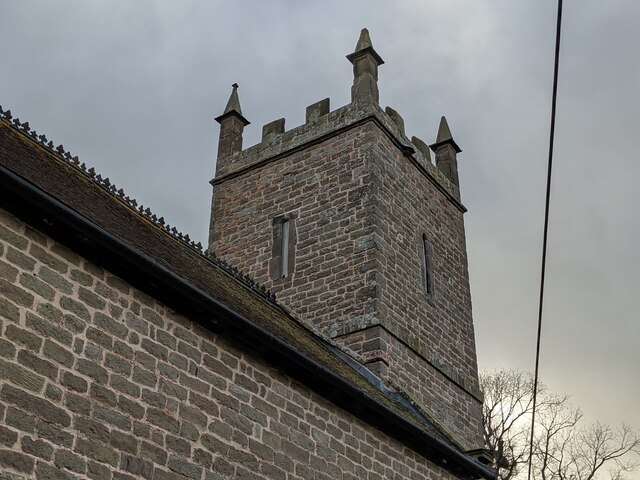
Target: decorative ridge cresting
{"type": "Point", "coordinates": [119, 194]}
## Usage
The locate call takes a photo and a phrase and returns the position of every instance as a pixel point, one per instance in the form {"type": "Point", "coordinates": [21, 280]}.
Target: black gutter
{"type": "Point", "coordinates": [24, 199]}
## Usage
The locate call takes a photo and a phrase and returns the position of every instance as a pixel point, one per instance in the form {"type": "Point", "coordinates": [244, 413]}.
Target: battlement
{"type": "Point", "coordinates": [277, 142]}
{"type": "Point", "coordinates": [321, 122]}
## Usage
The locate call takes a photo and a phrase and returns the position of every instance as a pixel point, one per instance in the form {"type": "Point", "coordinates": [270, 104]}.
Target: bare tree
{"type": "Point", "coordinates": [506, 409]}
{"type": "Point", "coordinates": [564, 448]}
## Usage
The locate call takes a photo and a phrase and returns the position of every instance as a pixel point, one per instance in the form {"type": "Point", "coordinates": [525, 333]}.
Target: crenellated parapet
{"type": "Point", "coordinates": [276, 141]}
{"type": "Point", "coordinates": [321, 122]}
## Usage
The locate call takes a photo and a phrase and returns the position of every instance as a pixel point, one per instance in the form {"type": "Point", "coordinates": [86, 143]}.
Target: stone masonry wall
{"type": "Point", "coordinates": [327, 186]}
{"type": "Point", "coordinates": [410, 206]}
{"type": "Point", "coordinates": [438, 326]}
{"type": "Point", "coordinates": [361, 209]}
{"type": "Point", "coordinates": [100, 381]}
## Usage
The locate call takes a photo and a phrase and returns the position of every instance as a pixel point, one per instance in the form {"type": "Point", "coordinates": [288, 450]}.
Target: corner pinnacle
{"type": "Point", "coordinates": [444, 136]}
{"type": "Point", "coordinates": [364, 41]}
{"type": "Point", "coordinates": [363, 47]}
{"type": "Point", "coordinates": [233, 107]}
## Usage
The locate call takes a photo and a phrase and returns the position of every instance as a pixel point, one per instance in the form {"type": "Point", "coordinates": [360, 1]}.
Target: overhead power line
{"type": "Point", "coordinates": [552, 129]}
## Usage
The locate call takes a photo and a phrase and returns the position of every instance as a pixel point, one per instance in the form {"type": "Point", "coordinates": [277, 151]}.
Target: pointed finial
{"type": "Point", "coordinates": [446, 150]}
{"type": "Point", "coordinates": [232, 124]}
{"type": "Point", "coordinates": [444, 136]}
{"type": "Point", "coordinates": [365, 61]}
{"type": "Point", "coordinates": [364, 41]}
{"type": "Point", "coordinates": [363, 47]}
{"type": "Point", "coordinates": [444, 133]}
{"type": "Point", "coordinates": [233, 107]}
{"type": "Point", "coordinates": [234, 102]}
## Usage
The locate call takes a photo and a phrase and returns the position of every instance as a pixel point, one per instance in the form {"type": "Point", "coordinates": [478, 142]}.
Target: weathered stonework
{"type": "Point", "coordinates": [364, 197]}
{"type": "Point", "coordinates": [99, 380]}
{"type": "Point", "coordinates": [128, 352]}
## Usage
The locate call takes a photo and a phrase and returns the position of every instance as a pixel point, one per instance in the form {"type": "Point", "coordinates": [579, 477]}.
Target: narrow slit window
{"type": "Point", "coordinates": [284, 249]}
{"type": "Point", "coordinates": [427, 262]}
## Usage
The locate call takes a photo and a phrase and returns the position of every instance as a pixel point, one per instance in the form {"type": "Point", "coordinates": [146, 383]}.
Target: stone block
{"type": "Point", "coordinates": [39, 365]}
{"type": "Point", "coordinates": [118, 364]}
{"type": "Point", "coordinates": [13, 238]}
{"type": "Point", "coordinates": [98, 471]}
{"type": "Point", "coordinates": [162, 420]}
{"type": "Point", "coordinates": [8, 272]}
{"type": "Point", "coordinates": [137, 466]}
{"type": "Point", "coordinates": [20, 420]}
{"type": "Point", "coordinates": [93, 370]}
{"type": "Point", "coordinates": [53, 393]}
{"type": "Point", "coordinates": [123, 385]}
{"type": "Point", "coordinates": [395, 118]}
{"type": "Point", "coordinates": [7, 436]}
{"type": "Point", "coordinates": [144, 377]}
{"type": "Point", "coordinates": [76, 307]}
{"type": "Point", "coordinates": [56, 280]}
{"type": "Point", "coordinates": [90, 298]}
{"type": "Point", "coordinates": [178, 445]}
{"type": "Point", "coordinates": [37, 286]}
{"type": "Point", "coordinates": [77, 403]}
{"type": "Point", "coordinates": [9, 310]}
{"type": "Point", "coordinates": [23, 337]}
{"type": "Point", "coordinates": [48, 329]}
{"type": "Point", "coordinates": [422, 147]}
{"type": "Point", "coordinates": [7, 349]}
{"type": "Point", "coordinates": [103, 395]}
{"type": "Point", "coordinates": [151, 452]}
{"type": "Point", "coordinates": [272, 129]}
{"type": "Point", "coordinates": [97, 451]}
{"type": "Point", "coordinates": [93, 429]}
{"type": "Point", "coordinates": [184, 467]}
{"type": "Point", "coordinates": [16, 461]}
{"type": "Point", "coordinates": [15, 294]}
{"type": "Point", "coordinates": [110, 416]}
{"type": "Point", "coordinates": [57, 353]}
{"type": "Point", "coordinates": [317, 110]}
{"type": "Point", "coordinates": [20, 376]}
{"type": "Point", "coordinates": [44, 256]}
{"type": "Point", "coordinates": [65, 459]}
{"type": "Point", "coordinates": [38, 447]}
{"type": "Point", "coordinates": [54, 434]}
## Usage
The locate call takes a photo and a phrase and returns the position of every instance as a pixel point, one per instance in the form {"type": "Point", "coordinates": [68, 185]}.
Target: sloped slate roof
{"type": "Point", "coordinates": [50, 189]}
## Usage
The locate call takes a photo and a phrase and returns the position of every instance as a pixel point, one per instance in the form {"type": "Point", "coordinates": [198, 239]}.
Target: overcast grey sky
{"type": "Point", "coordinates": [133, 87]}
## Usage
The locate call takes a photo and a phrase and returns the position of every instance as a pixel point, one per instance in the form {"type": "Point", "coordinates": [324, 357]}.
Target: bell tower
{"type": "Point", "coordinates": [362, 237]}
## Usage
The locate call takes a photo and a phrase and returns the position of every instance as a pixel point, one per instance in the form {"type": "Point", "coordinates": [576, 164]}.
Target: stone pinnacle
{"type": "Point", "coordinates": [363, 47]}
{"type": "Point", "coordinates": [444, 136]}
{"type": "Point", "coordinates": [234, 102]}
{"type": "Point", "coordinates": [364, 41]}
{"type": "Point", "coordinates": [233, 106]}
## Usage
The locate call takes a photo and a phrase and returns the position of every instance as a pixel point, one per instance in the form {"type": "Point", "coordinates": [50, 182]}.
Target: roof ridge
{"type": "Point", "coordinates": [119, 194]}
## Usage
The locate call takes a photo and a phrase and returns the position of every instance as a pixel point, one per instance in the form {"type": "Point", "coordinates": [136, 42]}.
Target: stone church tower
{"type": "Point", "coordinates": [361, 236]}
